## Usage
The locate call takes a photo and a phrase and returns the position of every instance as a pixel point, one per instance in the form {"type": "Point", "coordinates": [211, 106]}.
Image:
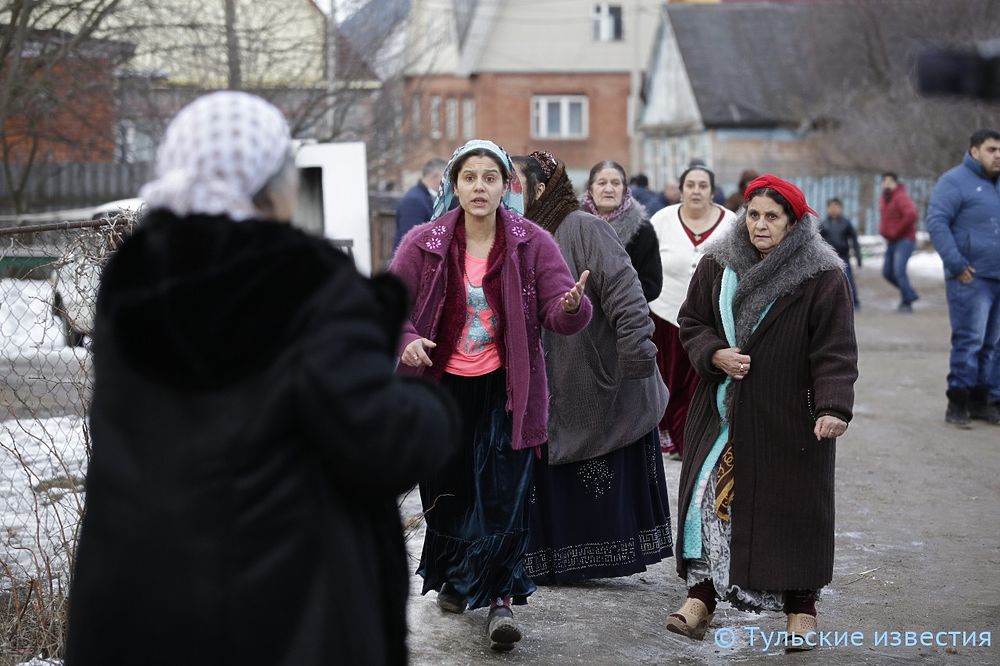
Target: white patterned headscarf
{"type": "Point", "coordinates": [218, 152]}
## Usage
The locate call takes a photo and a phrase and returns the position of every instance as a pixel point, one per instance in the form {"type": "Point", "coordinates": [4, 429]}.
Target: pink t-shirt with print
{"type": "Point", "coordinates": [476, 352]}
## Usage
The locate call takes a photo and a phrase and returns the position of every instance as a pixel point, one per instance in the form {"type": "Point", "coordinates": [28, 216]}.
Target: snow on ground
{"type": "Point", "coordinates": [26, 320]}
{"type": "Point", "coordinates": [42, 467]}
{"type": "Point", "coordinates": [42, 460]}
{"type": "Point", "coordinates": [924, 263]}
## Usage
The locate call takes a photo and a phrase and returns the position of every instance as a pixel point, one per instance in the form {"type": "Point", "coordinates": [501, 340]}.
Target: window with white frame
{"type": "Point", "coordinates": [469, 117]}
{"type": "Point", "coordinates": [559, 117]}
{"type": "Point", "coordinates": [451, 117]}
{"type": "Point", "coordinates": [607, 23]}
{"type": "Point", "coordinates": [435, 117]}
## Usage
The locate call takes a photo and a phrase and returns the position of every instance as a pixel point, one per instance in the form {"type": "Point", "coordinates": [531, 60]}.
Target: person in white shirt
{"type": "Point", "coordinates": [681, 229]}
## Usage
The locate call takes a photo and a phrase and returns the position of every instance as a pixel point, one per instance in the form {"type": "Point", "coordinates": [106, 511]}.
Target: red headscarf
{"type": "Point", "coordinates": [792, 194]}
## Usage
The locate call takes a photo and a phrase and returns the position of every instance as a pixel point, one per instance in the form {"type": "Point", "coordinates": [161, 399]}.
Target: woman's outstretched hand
{"type": "Point", "coordinates": [571, 301]}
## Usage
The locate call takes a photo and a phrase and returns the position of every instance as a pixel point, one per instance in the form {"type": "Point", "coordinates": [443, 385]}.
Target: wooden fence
{"type": "Point", "coordinates": [75, 185]}
{"type": "Point", "coordinates": [72, 185]}
{"type": "Point", "coordinates": [860, 195]}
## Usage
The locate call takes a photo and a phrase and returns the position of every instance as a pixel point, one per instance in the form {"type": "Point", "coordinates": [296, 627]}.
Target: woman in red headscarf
{"type": "Point", "coordinates": [769, 327]}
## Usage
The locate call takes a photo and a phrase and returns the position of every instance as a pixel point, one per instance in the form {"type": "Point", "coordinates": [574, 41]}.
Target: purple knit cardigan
{"type": "Point", "coordinates": [534, 280]}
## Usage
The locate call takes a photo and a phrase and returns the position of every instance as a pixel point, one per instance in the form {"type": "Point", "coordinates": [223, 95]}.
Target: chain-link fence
{"type": "Point", "coordinates": [48, 285]}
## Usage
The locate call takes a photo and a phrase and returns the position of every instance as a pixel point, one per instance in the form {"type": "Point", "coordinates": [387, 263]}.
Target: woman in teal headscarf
{"type": "Point", "coordinates": [485, 282]}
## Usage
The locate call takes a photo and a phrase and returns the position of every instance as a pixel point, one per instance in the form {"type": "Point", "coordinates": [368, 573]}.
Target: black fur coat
{"type": "Point", "coordinates": [249, 442]}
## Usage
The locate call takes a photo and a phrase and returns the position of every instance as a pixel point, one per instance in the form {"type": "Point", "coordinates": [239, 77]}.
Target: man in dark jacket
{"type": "Point", "coordinates": [249, 435]}
{"type": "Point", "coordinates": [838, 231]}
{"type": "Point", "coordinates": [899, 229]}
{"type": "Point", "coordinates": [417, 204]}
{"type": "Point", "coordinates": [963, 219]}
{"type": "Point", "coordinates": [639, 186]}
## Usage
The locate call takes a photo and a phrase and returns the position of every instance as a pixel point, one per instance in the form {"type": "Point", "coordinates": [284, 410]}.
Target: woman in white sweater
{"type": "Point", "coordinates": [681, 229]}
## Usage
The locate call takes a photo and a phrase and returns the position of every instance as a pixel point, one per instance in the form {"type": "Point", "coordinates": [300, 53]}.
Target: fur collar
{"type": "Point", "coordinates": [802, 255]}
{"type": "Point", "coordinates": [199, 302]}
{"type": "Point", "coordinates": [628, 223]}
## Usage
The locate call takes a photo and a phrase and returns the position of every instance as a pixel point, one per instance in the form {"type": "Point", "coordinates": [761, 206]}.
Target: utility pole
{"type": "Point", "coordinates": [233, 47]}
{"type": "Point", "coordinates": [331, 66]}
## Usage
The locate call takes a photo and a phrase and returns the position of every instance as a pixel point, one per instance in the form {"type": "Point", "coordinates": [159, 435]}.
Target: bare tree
{"type": "Point", "coordinates": [145, 59]}
{"type": "Point", "coordinates": [55, 83]}
{"type": "Point", "coordinates": [867, 50]}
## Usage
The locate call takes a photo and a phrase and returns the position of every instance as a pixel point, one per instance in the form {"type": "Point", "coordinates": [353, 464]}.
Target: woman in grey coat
{"type": "Point", "coordinates": [599, 507]}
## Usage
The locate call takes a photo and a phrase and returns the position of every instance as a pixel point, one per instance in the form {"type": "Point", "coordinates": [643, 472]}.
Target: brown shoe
{"type": "Point", "coordinates": [800, 626]}
{"type": "Point", "coordinates": [691, 620]}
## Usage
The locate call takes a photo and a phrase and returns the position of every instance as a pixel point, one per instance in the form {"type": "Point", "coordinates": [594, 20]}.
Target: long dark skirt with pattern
{"type": "Point", "coordinates": [476, 506]}
{"type": "Point", "coordinates": [600, 518]}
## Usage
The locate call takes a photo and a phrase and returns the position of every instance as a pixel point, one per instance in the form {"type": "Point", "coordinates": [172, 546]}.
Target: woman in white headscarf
{"type": "Point", "coordinates": [249, 435]}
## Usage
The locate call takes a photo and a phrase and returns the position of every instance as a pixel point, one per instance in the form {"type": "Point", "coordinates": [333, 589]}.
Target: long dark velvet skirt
{"type": "Point", "coordinates": [600, 518]}
{"type": "Point", "coordinates": [476, 507]}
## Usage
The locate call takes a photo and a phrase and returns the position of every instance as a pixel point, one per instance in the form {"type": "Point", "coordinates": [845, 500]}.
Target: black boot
{"type": "Point", "coordinates": [958, 408]}
{"type": "Point", "coordinates": [993, 412]}
{"type": "Point", "coordinates": [978, 398]}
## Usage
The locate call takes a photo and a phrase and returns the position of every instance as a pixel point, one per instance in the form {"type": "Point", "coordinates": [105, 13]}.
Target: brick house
{"type": "Point", "coordinates": [563, 77]}
{"type": "Point", "coordinates": [68, 111]}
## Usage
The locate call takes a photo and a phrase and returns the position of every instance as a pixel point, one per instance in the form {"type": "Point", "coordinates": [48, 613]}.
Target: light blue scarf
{"type": "Point", "coordinates": [692, 521]}
{"type": "Point", "coordinates": [513, 198]}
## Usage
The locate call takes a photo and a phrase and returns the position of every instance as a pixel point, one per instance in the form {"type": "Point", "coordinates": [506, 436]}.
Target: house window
{"type": "Point", "coordinates": [435, 114]}
{"type": "Point", "coordinates": [559, 117]}
{"type": "Point", "coordinates": [133, 144]}
{"type": "Point", "coordinates": [416, 124]}
{"type": "Point", "coordinates": [469, 117]}
{"type": "Point", "coordinates": [451, 117]}
{"type": "Point", "coordinates": [607, 23]}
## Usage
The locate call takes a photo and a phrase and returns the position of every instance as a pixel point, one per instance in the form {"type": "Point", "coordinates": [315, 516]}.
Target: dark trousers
{"type": "Point", "coordinates": [846, 258]}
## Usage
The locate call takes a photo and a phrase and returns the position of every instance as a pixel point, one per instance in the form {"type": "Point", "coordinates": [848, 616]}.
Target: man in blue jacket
{"type": "Point", "coordinates": [417, 204]}
{"type": "Point", "coordinates": [963, 219]}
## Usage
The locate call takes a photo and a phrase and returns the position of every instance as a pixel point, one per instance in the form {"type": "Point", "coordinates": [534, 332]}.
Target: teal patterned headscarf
{"type": "Point", "coordinates": [513, 198]}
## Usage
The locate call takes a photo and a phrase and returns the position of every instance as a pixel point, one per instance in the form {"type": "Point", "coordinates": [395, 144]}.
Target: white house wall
{"type": "Point", "coordinates": [556, 35]}
{"type": "Point", "coordinates": [431, 42]}
{"type": "Point", "coordinates": [671, 105]}
{"type": "Point", "coordinates": [281, 41]}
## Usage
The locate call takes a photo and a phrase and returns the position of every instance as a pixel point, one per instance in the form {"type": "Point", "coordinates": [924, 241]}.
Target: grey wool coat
{"type": "Point", "coordinates": [804, 362]}
{"type": "Point", "coordinates": [606, 389]}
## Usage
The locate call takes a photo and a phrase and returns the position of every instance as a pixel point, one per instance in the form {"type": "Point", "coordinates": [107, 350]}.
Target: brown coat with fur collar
{"type": "Point", "coordinates": [804, 365]}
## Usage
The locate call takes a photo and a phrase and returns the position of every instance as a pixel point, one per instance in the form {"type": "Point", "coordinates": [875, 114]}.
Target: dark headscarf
{"type": "Point", "coordinates": [558, 200]}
